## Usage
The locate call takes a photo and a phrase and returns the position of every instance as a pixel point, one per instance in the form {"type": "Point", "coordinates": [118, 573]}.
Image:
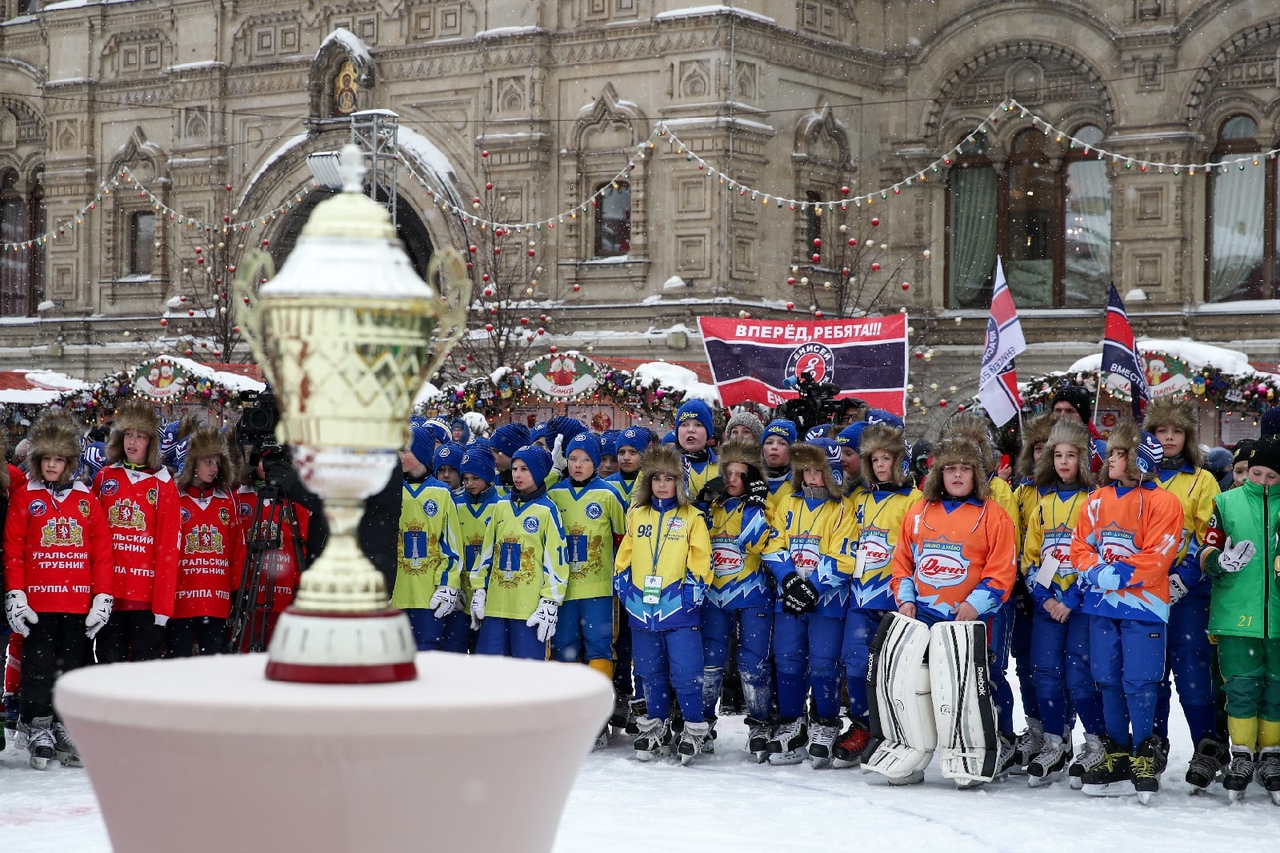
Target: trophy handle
{"type": "Point", "coordinates": [247, 310]}
{"type": "Point", "coordinates": [455, 291]}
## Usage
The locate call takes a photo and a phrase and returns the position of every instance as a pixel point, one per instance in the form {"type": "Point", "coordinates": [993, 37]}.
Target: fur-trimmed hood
{"type": "Point", "coordinates": [55, 433]}
{"type": "Point", "coordinates": [207, 441]}
{"type": "Point", "coordinates": [810, 456]}
{"type": "Point", "coordinates": [137, 415]}
{"type": "Point", "coordinates": [746, 452]}
{"type": "Point", "coordinates": [1175, 412]}
{"type": "Point", "coordinates": [659, 459]}
{"type": "Point", "coordinates": [887, 438]}
{"type": "Point", "coordinates": [1034, 431]}
{"type": "Point", "coordinates": [1074, 433]}
{"type": "Point", "coordinates": [975, 428]}
{"type": "Point", "coordinates": [956, 450]}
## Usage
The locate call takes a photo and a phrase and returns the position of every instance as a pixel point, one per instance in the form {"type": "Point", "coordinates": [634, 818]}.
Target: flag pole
{"type": "Point", "coordinates": [1097, 394]}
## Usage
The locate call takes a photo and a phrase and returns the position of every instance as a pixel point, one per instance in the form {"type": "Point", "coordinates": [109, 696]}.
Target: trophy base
{"type": "Point", "coordinates": [312, 647]}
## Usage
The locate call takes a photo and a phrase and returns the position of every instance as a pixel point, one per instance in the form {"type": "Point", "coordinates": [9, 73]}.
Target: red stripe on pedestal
{"type": "Point", "coordinates": [342, 674]}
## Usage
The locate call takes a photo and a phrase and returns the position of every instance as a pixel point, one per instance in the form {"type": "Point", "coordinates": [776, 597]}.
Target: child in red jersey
{"type": "Point", "coordinates": [141, 502]}
{"type": "Point", "coordinates": [212, 555]}
{"type": "Point", "coordinates": [57, 569]}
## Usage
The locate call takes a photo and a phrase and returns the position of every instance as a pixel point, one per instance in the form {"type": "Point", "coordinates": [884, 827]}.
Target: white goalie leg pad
{"type": "Point", "coordinates": [966, 719]}
{"type": "Point", "coordinates": [901, 712]}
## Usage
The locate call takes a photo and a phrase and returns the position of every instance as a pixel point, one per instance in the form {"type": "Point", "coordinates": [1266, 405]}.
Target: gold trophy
{"type": "Point", "coordinates": [347, 334]}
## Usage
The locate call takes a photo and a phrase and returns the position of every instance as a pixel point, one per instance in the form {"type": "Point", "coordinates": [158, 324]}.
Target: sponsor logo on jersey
{"type": "Point", "coordinates": [127, 514]}
{"type": "Point", "coordinates": [531, 525]}
{"type": "Point", "coordinates": [204, 539]}
{"type": "Point", "coordinates": [224, 515]}
{"type": "Point", "coordinates": [84, 508]}
{"type": "Point", "coordinates": [875, 547]}
{"type": "Point", "coordinates": [62, 531]}
{"type": "Point", "coordinates": [431, 508]}
{"type": "Point", "coordinates": [153, 495]}
{"type": "Point", "coordinates": [109, 487]}
{"type": "Point", "coordinates": [1116, 544]}
{"type": "Point", "coordinates": [594, 510]}
{"type": "Point", "coordinates": [186, 515]}
{"type": "Point", "coordinates": [726, 556]}
{"type": "Point", "coordinates": [941, 563]}
{"type": "Point", "coordinates": [37, 508]}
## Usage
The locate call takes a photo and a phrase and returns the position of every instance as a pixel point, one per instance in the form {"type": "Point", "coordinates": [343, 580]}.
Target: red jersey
{"type": "Point", "coordinates": [212, 556]}
{"type": "Point", "coordinates": [17, 480]}
{"type": "Point", "coordinates": [57, 547]}
{"type": "Point", "coordinates": [278, 563]}
{"type": "Point", "coordinates": [142, 512]}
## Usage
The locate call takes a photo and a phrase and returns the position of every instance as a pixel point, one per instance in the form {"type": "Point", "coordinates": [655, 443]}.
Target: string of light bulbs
{"type": "Point", "coordinates": [662, 132]}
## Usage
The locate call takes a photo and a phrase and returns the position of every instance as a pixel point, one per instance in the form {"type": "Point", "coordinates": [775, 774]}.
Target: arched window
{"type": "Point", "coordinates": [1242, 218]}
{"type": "Point", "coordinates": [21, 272]}
{"type": "Point", "coordinates": [613, 220]}
{"type": "Point", "coordinates": [1046, 213]}
{"type": "Point", "coordinates": [812, 221]}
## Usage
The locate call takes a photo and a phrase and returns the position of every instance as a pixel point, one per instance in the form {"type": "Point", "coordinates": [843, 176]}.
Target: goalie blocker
{"type": "Point", "coordinates": [929, 688]}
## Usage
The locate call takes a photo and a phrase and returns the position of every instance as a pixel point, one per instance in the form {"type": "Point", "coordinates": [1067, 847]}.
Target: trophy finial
{"type": "Point", "coordinates": [351, 169]}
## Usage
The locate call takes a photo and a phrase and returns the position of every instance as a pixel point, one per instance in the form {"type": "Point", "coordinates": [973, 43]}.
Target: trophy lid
{"type": "Point", "coordinates": [351, 213]}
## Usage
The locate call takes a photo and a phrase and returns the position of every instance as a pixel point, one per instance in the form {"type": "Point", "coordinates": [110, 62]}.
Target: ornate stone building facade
{"type": "Point", "coordinates": [548, 101]}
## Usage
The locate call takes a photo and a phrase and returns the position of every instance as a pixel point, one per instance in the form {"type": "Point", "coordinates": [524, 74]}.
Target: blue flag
{"type": "Point", "coordinates": [1120, 353]}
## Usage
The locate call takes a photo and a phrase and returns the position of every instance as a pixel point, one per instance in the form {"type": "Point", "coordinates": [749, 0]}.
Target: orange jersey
{"type": "Point", "coordinates": [950, 552]}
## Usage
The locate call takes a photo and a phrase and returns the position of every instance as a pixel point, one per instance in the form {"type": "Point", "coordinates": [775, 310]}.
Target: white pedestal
{"type": "Point", "coordinates": [207, 756]}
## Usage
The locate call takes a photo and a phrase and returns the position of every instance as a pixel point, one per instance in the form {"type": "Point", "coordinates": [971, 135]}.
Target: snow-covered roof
{"type": "Point", "coordinates": [354, 45]}
{"type": "Point", "coordinates": [1197, 356]}
{"type": "Point", "coordinates": [230, 381]}
{"type": "Point", "coordinates": [425, 393]}
{"type": "Point", "coordinates": [427, 154]}
{"type": "Point", "coordinates": [677, 378]}
{"type": "Point", "coordinates": [36, 387]}
{"type": "Point", "coordinates": [717, 9]}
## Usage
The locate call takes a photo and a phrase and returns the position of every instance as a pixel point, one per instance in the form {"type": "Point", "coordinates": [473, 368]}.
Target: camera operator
{"type": "Point", "coordinates": [284, 525]}
{"type": "Point", "coordinates": [816, 403]}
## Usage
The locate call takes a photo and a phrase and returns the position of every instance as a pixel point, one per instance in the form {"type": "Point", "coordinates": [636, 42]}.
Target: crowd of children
{"type": "Point", "coordinates": [747, 575]}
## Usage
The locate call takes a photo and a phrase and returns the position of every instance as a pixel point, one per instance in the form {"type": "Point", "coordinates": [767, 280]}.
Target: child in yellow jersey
{"type": "Point", "coordinates": [694, 428]}
{"type": "Point", "coordinates": [1035, 431]}
{"type": "Point", "coordinates": [475, 506]}
{"type": "Point", "coordinates": [661, 574]}
{"type": "Point", "coordinates": [821, 529]}
{"type": "Point", "coordinates": [1189, 656]}
{"type": "Point", "coordinates": [1059, 631]}
{"type": "Point", "coordinates": [593, 519]}
{"type": "Point", "coordinates": [519, 579]}
{"type": "Point", "coordinates": [775, 446]}
{"type": "Point", "coordinates": [877, 515]}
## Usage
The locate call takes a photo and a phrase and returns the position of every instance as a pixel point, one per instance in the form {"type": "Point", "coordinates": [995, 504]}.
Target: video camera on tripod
{"type": "Point", "coordinates": [256, 434]}
{"type": "Point", "coordinates": [817, 403]}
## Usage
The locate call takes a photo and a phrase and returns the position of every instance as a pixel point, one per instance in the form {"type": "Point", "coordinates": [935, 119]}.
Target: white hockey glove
{"type": "Point", "coordinates": [20, 615]}
{"type": "Point", "coordinates": [1177, 589]}
{"type": "Point", "coordinates": [161, 621]}
{"type": "Point", "coordinates": [477, 609]}
{"type": "Point", "coordinates": [544, 619]}
{"type": "Point", "coordinates": [558, 460]}
{"type": "Point", "coordinates": [444, 601]}
{"type": "Point", "coordinates": [1236, 555]}
{"type": "Point", "coordinates": [99, 613]}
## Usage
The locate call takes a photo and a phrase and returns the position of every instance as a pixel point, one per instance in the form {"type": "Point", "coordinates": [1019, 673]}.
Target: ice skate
{"type": "Point", "coordinates": [1143, 770]}
{"type": "Point", "coordinates": [1086, 759]}
{"type": "Point", "coordinates": [915, 777]}
{"type": "Point", "coordinates": [1110, 777]}
{"type": "Point", "coordinates": [653, 739]}
{"type": "Point", "coordinates": [848, 749]}
{"type": "Point", "coordinates": [1238, 774]}
{"type": "Point", "coordinates": [1026, 747]}
{"type": "Point", "coordinates": [1046, 766]}
{"type": "Point", "coordinates": [636, 709]}
{"type": "Point", "coordinates": [41, 745]}
{"type": "Point", "coordinates": [621, 717]}
{"type": "Point", "coordinates": [789, 742]}
{"type": "Point", "coordinates": [709, 742]}
{"type": "Point", "coordinates": [758, 734]}
{"type": "Point", "coordinates": [692, 740]}
{"type": "Point", "coordinates": [65, 748]}
{"type": "Point", "coordinates": [822, 739]}
{"type": "Point", "coordinates": [1268, 772]}
{"type": "Point", "coordinates": [1210, 757]}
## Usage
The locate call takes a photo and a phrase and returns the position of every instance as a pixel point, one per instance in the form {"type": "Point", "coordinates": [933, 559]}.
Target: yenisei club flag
{"type": "Point", "coordinates": [751, 359]}
{"type": "Point", "coordinates": [1120, 353]}
{"type": "Point", "coordinates": [998, 380]}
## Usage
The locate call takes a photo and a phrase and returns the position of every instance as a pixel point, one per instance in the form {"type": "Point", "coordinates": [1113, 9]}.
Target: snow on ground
{"type": "Point", "coordinates": [726, 802]}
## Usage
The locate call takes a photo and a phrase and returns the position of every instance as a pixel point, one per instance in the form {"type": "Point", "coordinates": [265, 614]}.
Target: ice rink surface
{"type": "Point", "coordinates": [725, 802]}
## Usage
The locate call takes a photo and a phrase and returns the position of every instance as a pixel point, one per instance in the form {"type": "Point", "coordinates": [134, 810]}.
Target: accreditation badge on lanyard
{"type": "Point", "coordinates": [1050, 563]}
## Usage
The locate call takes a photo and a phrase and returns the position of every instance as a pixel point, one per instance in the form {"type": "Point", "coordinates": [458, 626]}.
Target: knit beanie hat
{"type": "Point", "coordinates": [696, 410]}
{"type": "Point", "coordinates": [422, 443]}
{"type": "Point", "coordinates": [747, 420]}
{"type": "Point", "coordinates": [477, 460]}
{"type": "Point", "coordinates": [537, 460]}
{"type": "Point", "coordinates": [1150, 454]}
{"type": "Point", "coordinates": [539, 432]}
{"type": "Point", "coordinates": [564, 427]}
{"type": "Point", "coordinates": [1077, 395]}
{"type": "Point", "coordinates": [509, 438]}
{"type": "Point", "coordinates": [448, 454]}
{"type": "Point", "coordinates": [669, 438]}
{"type": "Point", "coordinates": [587, 443]}
{"type": "Point", "coordinates": [782, 427]}
{"type": "Point", "coordinates": [609, 442]}
{"type": "Point", "coordinates": [851, 435]}
{"type": "Point", "coordinates": [637, 437]}
{"type": "Point", "coordinates": [880, 416]}
{"type": "Point", "coordinates": [1243, 449]}
{"type": "Point", "coordinates": [1266, 452]}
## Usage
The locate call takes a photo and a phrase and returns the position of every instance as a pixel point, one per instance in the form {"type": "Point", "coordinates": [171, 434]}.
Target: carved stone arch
{"type": "Point", "coordinates": [1258, 41]}
{"type": "Point", "coordinates": [339, 47]}
{"type": "Point", "coordinates": [981, 80]}
{"type": "Point", "coordinates": [822, 139]}
{"type": "Point", "coordinates": [1237, 104]}
{"type": "Point", "coordinates": [27, 123]}
{"type": "Point", "coordinates": [609, 114]}
{"type": "Point", "coordinates": [27, 69]}
{"type": "Point", "coordinates": [145, 159]}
